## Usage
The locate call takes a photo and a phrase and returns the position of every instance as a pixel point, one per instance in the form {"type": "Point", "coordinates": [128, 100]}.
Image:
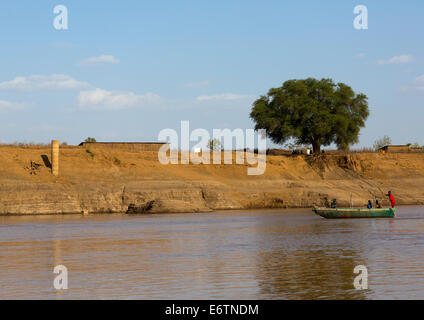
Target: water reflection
{"type": "Point", "coordinates": [308, 275]}
{"type": "Point", "coordinates": [239, 255]}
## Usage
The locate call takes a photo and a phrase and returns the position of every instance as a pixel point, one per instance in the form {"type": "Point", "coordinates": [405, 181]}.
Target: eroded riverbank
{"type": "Point", "coordinates": [111, 181]}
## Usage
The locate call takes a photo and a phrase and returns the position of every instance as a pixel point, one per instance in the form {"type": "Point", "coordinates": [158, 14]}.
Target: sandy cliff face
{"type": "Point", "coordinates": [114, 181]}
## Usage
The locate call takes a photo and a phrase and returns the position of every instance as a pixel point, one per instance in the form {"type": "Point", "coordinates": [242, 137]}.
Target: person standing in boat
{"type": "Point", "coordinates": [392, 199]}
{"type": "Point", "coordinates": [378, 204]}
{"type": "Point", "coordinates": [369, 205]}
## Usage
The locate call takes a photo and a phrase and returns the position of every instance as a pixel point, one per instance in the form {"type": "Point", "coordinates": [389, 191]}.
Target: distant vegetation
{"type": "Point", "coordinates": [90, 140]}
{"type": "Point", "coordinates": [415, 145]}
{"type": "Point", "coordinates": [312, 112]}
{"type": "Point", "coordinates": [90, 153]}
{"type": "Point", "coordinates": [380, 143]}
{"type": "Point", "coordinates": [26, 144]}
{"type": "Point", "coordinates": [214, 145]}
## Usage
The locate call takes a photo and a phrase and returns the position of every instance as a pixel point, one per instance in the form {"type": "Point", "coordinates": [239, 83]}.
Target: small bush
{"type": "Point", "coordinates": [90, 153]}
{"type": "Point", "coordinates": [380, 143]}
{"type": "Point", "coordinates": [414, 145]}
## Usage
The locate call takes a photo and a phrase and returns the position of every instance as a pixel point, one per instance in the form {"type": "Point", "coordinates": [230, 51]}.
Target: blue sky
{"type": "Point", "coordinates": [126, 70]}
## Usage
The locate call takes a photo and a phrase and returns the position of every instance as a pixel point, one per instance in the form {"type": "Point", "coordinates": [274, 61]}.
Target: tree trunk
{"type": "Point", "coordinates": [316, 147]}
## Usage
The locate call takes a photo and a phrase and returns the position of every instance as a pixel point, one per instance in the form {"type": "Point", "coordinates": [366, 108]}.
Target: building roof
{"type": "Point", "coordinates": [394, 145]}
{"type": "Point", "coordinates": [99, 142]}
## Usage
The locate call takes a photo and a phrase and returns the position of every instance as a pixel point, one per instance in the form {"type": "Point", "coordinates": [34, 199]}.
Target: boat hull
{"type": "Point", "coordinates": [354, 213]}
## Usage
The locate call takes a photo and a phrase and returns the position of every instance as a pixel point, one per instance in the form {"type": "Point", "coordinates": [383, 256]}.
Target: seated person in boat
{"type": "Point", "coordinates": [334, 204]}
{"type": "Point", "coordinates": [392, 199]}
{"type": "Point", "coordinates": [369, 205]}
{"type": "Point", "coordinates": [378, 204]}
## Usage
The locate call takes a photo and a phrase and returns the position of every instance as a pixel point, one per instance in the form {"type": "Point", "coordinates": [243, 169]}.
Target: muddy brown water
{"type": "Point", "coordinates": [277, 254]}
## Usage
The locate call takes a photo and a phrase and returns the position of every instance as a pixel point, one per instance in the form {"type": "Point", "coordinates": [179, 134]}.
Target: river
{"type": "Point", "coordinates": [263, 254]}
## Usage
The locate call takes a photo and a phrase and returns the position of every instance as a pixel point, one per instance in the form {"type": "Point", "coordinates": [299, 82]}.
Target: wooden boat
{"type": "Point", "coordinates": [352, 213]}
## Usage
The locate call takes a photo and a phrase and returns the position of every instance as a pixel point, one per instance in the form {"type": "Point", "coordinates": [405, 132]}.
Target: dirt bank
{"type": "Point", "coordinates": [108, 181]}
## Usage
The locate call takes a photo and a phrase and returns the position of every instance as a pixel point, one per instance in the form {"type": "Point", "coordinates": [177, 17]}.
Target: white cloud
{"type": "Point", "coordinates": [416, 85]}
{"type": "Point", "coordinates": [223, 97]}
{"type": "Point", "coordinates": [397, 59]}
{"type": "Point", "coordinates": [103, 59]}
{"type": "Point", "coordinates": [197, 84]}
{"type": "Point", "coordinates": [99, 99]}
{"type": "Point", "coordinates": [420, 79]}
{"type": "Point", "coordinates": [360, 55]}
{"type": "Point", "coordinates": [8, 106]}
{"type": "Point", "coordinates": [43, 82]}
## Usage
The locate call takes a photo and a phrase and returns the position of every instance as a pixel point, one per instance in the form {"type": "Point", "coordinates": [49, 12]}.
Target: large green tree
{"type": "Point", "coordinates": [313, 112]}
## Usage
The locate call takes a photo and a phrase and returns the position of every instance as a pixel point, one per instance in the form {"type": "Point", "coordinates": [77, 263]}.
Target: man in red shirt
{"type": "Point", "coordinates": [391, 198]}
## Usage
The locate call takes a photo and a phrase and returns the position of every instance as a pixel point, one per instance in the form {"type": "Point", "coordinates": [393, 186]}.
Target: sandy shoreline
{"type": "Point", "coordinates": [120, 214]}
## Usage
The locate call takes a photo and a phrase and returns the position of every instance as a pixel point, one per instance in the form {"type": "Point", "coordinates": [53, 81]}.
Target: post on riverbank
{"type": "Point", "coordinates": [55, 157]}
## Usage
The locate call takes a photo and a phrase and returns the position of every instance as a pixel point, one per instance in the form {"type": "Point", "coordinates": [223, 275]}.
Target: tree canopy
{"type": "Point", "coordinates": [90, 140]}
{"type": "Point", "coordinates": [381, 142]}
{"type": "Point", "coordinates": [311, 111]}
{"type": "Point", "coordinates": [214, 145]}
